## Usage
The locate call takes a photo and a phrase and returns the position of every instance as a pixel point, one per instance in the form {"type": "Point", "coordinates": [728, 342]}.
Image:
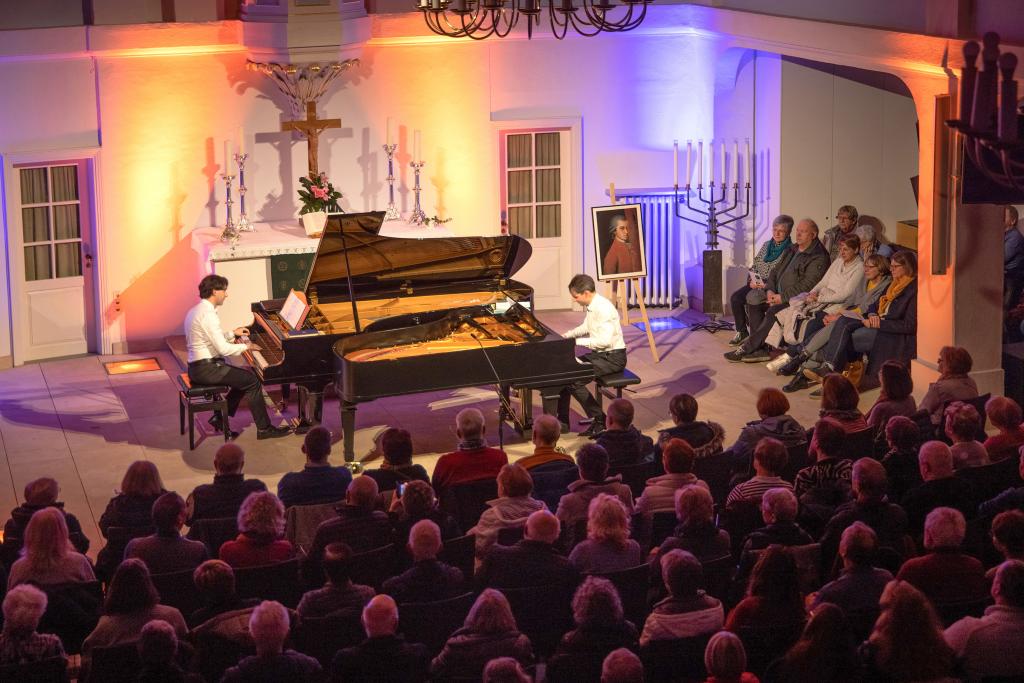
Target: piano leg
{"type": "Point", "coordinates": [310, 408]}
{"type": "Point", "coordinates": [286, 393]}
{"type": "Point", "coordinates": [348, 426]}
{"type": "Point", "coordinates": [549, 399]}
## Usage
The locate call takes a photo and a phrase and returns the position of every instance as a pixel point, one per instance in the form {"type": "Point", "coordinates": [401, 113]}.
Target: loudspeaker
{"type": "Point", "coordinates": [713, 281]}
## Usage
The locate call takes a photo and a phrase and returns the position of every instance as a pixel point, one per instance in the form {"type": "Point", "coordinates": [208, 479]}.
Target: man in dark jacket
{"type": "Point", "coordinates": [39, 493]}
{"type": "Point", "coordinates": [533, 561]}
{"type": "Point", "coordinates": [318, 482]}
{"type": "Point", "coordinates": [166, 551]}
{"type": "Point", "coordinates": [428, 579]}
{"type": "Point", "coordinates": [887, 520]}
{"type": "Point", "coordinates": [384, 656]}
{"type": "Point", "coordinates": [940, 487]}
{"type": "Point", "coordinates": [358, 524]}
{"type": "Point", "coordinates": [801, 268]}
{"type": "Point", "coordinates": [224, 496]}
{"type": "Point", "coordinates": [625, 444]}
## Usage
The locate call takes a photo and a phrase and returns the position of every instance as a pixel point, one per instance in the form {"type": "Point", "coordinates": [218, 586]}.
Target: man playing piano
{"type": "Point", "coordinates": [601, 332]}
{"type": "Point", "coordinates": [208, 344]}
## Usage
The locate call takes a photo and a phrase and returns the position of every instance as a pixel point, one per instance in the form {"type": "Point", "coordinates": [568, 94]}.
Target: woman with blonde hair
{"type": "Point", "coordinates": [131, 509]}
{"type": "Point", "coordinates": [509, 510]}
{"type": "Point", "coordinates": [608, 547]}
{"type": "Point", "coordinates": [488, 632]}
{"type": "Point", "coordinates": [48, 557]}
{"type": "Point", "coordinates": [261, 533]}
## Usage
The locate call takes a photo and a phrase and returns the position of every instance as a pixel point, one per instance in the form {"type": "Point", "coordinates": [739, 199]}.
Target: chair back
{"type": "Point", "coordinates": [279, 581]}
{"type": "Point", "coordinates": [739, 519]}
{"type": "Point", "coordinates": [460, 553]}
{"type": "Point", "coordinates": [177, 590]}
{"type": "Point", "coordinates": [632, 586]}
{"type": "Point", "coordinates": [117, 664]}
{"type": "Point", "coordinates": [52, 670]}
{"type": "Point", "coordinates": [550, 485]}
{"type": "Point", "coordinates": [798, 458]}
{"type": "Point", "coordinates": [954, 610]}
{"type": "Point", "coordinates": [322, 637]}
{"type": "Point", "coordinates": [581, 667]}
{"type": "Point", "coordinates": [111, 554]}
{"type": "Point", "coordinates": [432, 623]}
{"type": "Point", "coordinates": [923, 420]}
{"type": "Point", "coordinates": [718, 576]}
{"type": "Point", "coordinates": [375, 566]}
{"type": "Point", "coordinates": [543, 613]}
{"type": "Point", "coordinates": [214, 532]}
{"type": "Point", "coordinates": [72, 611]}
{"type": "Point", "coordinates": [217, 652]}
{"type": "Point", "coordinates": [859, 444]}
{"type": "Point", "coordinates": [716, 471]}
{"type": "Point", "coordinates": [301, 521]}
{"type": "Point", "coordinates": [764, 644]}
{"type": "Point", "coordinates": [635, 476]}
{"type": "Point", "coordinates": [663, 524]}
{"type": "Point", "coordinates": [510, 535]}
{"type": "Point", "coordinates": [467, 501]}
{"type": "Point", "coordinates": [989, 481]}
{"type": "Point", "coordinates": [680, 660]}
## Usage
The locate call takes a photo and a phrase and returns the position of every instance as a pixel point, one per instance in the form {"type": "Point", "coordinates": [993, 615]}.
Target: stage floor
{"type": "Point", "coordinates": [69, 420]}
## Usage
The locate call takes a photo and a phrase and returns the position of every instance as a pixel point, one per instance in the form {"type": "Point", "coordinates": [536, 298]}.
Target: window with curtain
{"type": "Point", "coordinates": [533, 184]}
{"type": "Point", "coordinates": [51, 221]}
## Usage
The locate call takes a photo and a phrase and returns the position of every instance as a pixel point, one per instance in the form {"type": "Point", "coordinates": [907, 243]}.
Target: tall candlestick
{"type": "Point", "coordinates": [675, 163]}
{"type": "Point", "coordinates": [390, 127]}
{"type": "Point", "coordinates": [689, 152]}
{"type": "Point", "coordinates": [749, 175]}
{"type": "Point", "coordinates": [700, 163]}
{"type": "Point", "coordinates": [416, 145]}
{"type": "Point", "coordinates": [723, 163]}
{"type": "Point", "coordinates": [735, 161]}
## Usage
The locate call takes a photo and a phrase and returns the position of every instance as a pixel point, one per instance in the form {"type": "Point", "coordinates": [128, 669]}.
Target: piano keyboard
{"type": "Point", "coordinates": [270, 352]}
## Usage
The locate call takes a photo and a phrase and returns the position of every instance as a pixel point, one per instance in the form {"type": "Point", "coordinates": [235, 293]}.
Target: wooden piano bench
{"type": "Point", "coordinates": [617, 381]}
{"type": "Point", "coordinates": [199, 399]}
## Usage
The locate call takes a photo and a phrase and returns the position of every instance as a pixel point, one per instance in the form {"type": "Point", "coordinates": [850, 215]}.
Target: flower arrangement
{"type": "Point", "coordinates": [318, 194]}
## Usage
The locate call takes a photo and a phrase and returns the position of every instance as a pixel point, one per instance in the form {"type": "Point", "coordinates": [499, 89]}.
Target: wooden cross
{"type": "Point", "coordinates": [311, 127]}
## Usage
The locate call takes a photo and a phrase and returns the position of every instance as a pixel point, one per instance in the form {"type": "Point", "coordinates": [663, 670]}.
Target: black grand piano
{"type": "Point", "coordinates": [391, 316]}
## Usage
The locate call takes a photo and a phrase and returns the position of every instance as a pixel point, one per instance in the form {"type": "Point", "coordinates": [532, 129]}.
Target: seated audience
{"type": "Point", "coordinates": [659, 495]}
{"type": "Point", "coordinates": [1005, 415]}
{"type": "Point", "coordinates": [509, 510]}
{"type": "Point", "coordinates": [954, 382]}
{"type": "Point", "coordinates": [940, 487]}
{"type": "Point", "coordinates": [774, 422]}
{"type": "Point", "coordinates": [166, 551]}
{"type": "Point", "coordinates": [839, 399]}
{"type": "Point", "coordinates": [398, 468]}
{"type": "Point", "coordinates": [385, 656]}
{"type": "Point", "coordinates": [547, 456]}
{"type": "Point", "coordinates": [622, 666]}
{"type": "Point", "coordinates": [824, 653]}
{"type": "Point", "coordinates": [859, 586]}
{"type": "Point", "coordinates": [417, 503]}
{"type": "Point", "coordinates": [20, 643]}
{"type": "Point", "coordinates": [608, 547]}
{"type": "Point", "coordinates": [870, 243]}
{"type": "Point", "coordinates": [773, 598]}
{"type": "Point", "coordinates": [533, 561]}
{"type": "Point", "coordinates": [906, 643]}
{"type": "Point", "coordinates": [48, 558]}
{"type": "Point", "coordinates": [224, 496]}
{"type": "Point", "coordinates": [158, 650]}
{"type": "Point", "coordinates": [474, 459]}
{"type": "Point", "coordinates": [39, 494]}
{"type": "Point", "coordinates": [600, 624]}
{"type": "Point", "coordinates": [688, 611]}
{"type": "Point", "coordinates": [903, 437]}
{"type": "Point", "coordinates": [829, 470]}
{"type": "Point", "coordinates": [753, 294]}
{"type": "Point", "coordinates": [592, 462]}
{"type": "Point", "coordinates": [428, 579]}
{"type": "Point", "coordinates": [359, 524]}
{"type": "Point", "coordinates": [706, 438]}
{"type": "Point", "coordinates": [725, 660]}
{"type": "Point", "coordinates": [338, 594]}
{"type": "Point", "coordinates": [269, 627]}
{"type": "Point", "coordinates": [260, 534]}
{"type": "Point", "coordinates": [778, 509]}
{"type": "Point", "coordinates": [489, 631]}
{"type": "Point", "coordinates": [945, 574]}
{"type": "Point", "coordinates": [990, 646]}
{"type": "Point", "coordinates": [625, 444]}
{"type": "Point", "coordinates": [1010, 499]}
{"type": "Point", "coordinates": [846, 224]}
{"type": "Point", "coordinates": [131, 508]}
{"type": "Point", "coordinates": [318, 482]}
{"type": "Point", "coordinates": [1008, 536]}
{"type": "Point", "coordinates": [696, 532]}
{"type": "Point", "coordinates": [896, 397]}
{"type": "Point", "coordinates": [962, 424]}
{"type": "Point", "coordinates": [871, 506]}
{"type": "Point", "coordinates": [770, 457]}
{"type": "Point", "coordinates": [215, 584]}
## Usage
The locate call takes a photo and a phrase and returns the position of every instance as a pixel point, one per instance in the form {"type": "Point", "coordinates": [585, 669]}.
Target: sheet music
{"type": "Point", "coordinates": [295, 309]}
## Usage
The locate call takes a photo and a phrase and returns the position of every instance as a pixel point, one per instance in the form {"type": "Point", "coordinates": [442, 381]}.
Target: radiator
{"type": "Point", "coordinates": [663, 284]}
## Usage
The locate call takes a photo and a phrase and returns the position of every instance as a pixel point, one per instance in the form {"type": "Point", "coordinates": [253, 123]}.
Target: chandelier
{"type": "Point", "coordinates": [479, 19]}
{"type": "Point", "coordinates": [990, 117]}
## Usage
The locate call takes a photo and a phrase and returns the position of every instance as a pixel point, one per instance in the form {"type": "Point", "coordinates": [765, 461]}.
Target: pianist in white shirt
{"type": "Point", "coordinates": [601, 332]}
{"type": "Point", "coordinates": [208, 345]}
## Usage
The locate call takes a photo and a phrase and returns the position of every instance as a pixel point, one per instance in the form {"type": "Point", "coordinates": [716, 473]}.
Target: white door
{"type": "Point", "coordinates": [536, 204]}
{"type": "Point", "coordinates": [51, 258]}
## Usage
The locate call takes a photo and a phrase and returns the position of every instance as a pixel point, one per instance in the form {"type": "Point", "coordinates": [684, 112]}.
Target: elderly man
{"type": "Point", "coordinates": [547, 457]}
{"type": "Point", "coordinates": [166, 551]}
{"type": "Point", "coordinates": [625, 444]}
{"type": "Point", "coordinates": [268, 625]}
{"type": "Point", "coordinates": [859, 587]}
{"type": "Point", "coordinates": [945, 574]}
{"type": "Point", "coordinates": [940, 487]}
{"type": "Point", "coordinates": [358, 524]}
{"type": "Point", "coordinates": [799, 269]}
{"type": "Point", "coordinates": [318, 482]}
{"type": "Point", "coordinates": [846, 223]}
{"type": "Point", "coordinates": [474, 459]}
{"type": "Point", "coordinates": [384, 656]}
{"type": "Point", "coordinates": [592, 462]}
{"type": "Point", "coordinates": [870, 506]}
{"type": "Point", "coordinates": [339, 593]}
{"type": "Point", "coordinates": [428, 579]}
{"type": "Point", "coordinates": [770, 456]}
{"type": "Point", "coordinates": [991, 646]}
{"type": "Point", "coordinates": [224, 496]}
{"type": "Point", "coordinates": [533, 561]}
{"type": "Point", "coordinates": [778, 509]}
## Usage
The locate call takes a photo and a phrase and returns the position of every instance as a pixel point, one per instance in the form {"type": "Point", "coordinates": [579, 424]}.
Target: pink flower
{"type": "Point", "coordinates": [320, 193]}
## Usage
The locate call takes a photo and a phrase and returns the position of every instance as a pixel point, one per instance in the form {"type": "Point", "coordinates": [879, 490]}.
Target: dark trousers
{"type": "Point", "coordinates": [242, 383]}
{"type": "Point", "coordinates": [738, 303]}
{"type": "Point", "coordinates": [605, 363]}
{"type": "Point", "coordinates": [759, 332]}
{"type": "Point", "coordinates": [848, 342]}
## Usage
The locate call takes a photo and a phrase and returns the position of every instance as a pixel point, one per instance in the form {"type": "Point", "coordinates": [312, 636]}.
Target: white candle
{"type": "Point", "coordinates": [227, 156]}
{"type": "Point", "coordinates": [700, 163]}
{"type": "Point", "coordinates": [735, 161]}
{"type": "Point", "coordinates": [749, 175]}
{"type": "Point", "coordinates": [675, 163]}
{"type": "Point", "coordinates": [711, 162]}
{"type": "Point", "coordinates": [390, 127]}
{"type": "Point", "coordinates": [689, 153]}
{"type": "Point", "coordinates": [723, 163]}
{"type": "Point", "coordinates": [416, 146]}
{"type": "Point", "coordinates": [241, 141]}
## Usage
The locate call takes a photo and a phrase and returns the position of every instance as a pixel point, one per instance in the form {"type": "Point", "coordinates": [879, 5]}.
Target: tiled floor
{"type": "Point", "coordinates": [68, 419]}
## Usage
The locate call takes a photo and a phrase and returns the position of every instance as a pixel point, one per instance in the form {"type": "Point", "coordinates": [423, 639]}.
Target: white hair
{"type": "Point", "coordinates": [622, 666]}
{"type": "Point", "coordinates": [937, 456]}
{"type": "Point", "coordinates": [380, 616]}
{"type": "Point", "coordinates": [781, 503]}
{"type": "Point", "coordinates": [425, 540]}
{"type": "Point", "coordinates": [470, 423]}
{"type": "Point", "coordinates": [944, 528]}
{"type": "Point", "coordinates": [23, 608]}
{"type": "Point", "coordinates": [268, 625]}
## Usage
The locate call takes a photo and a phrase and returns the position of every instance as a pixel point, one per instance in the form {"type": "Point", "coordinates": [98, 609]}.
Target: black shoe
{"type": "Point", "coordinates": [566, 427]}
{"type": "Point", "coordinates": [216, 422]}
{"type": "Point", "coordinates": [273, 432]}
{"type": "Point", "coordinates": [757, 356]}
{"type": "Point", "coordinates": [595, 428]}
{"type": "Point", "coordinates": [738, 339]}
{"type": "Point", "coordinates": [735, 356]}
{"type": "Point", "coordinates": [793, 366]}
{"type": "Point", "coordinates": [817, 374]}
{"type": "Point", "coordinates": [798, 383]}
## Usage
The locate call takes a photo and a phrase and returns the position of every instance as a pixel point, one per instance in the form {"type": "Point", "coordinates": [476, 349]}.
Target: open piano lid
{"type": "Point", "coordinates": [379, 263]}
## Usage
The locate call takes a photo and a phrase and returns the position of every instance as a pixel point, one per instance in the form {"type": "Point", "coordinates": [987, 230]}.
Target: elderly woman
{"type": "Point", "coordinates": [869, 242]}
{"type": "Point", "coordinates": [1005, 415]}
{"type": "Point", "coordinates": [752, 293]}
{"type": "Point", "coordinates": [261, 530]}
{"type": "Point", "coordinates": [132, 508]}
{"type": "Point", "coordinates": [706, 438]}
{"type": "Point", "coordinates": [509, 510]}
{"type": "Point", "coordinates": [953, 384]}
{"type": "Point", "coordinates": [772, 408]}
{"type": "Point", "coordinates": [608, 547]}
{"type": "Point", "coordinates": [961, 426]}
{"type": "Point", "coordinates": [696, 532]}
{"type": "Point", "coordinates": [488, 632]}
{"type": "Point", "coordinates": [687, 612]}
{"type": "Point", "coordinates": [600, 625]}
{"type": "Point", "coordinates": [48, 558]}
{"type": "Point", "coordinates": [725, 659]}
{"type": "Point", "coordinates": [19, 642]}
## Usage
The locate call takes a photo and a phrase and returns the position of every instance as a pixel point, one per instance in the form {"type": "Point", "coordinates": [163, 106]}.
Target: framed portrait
{"type": "Point", "coordinates": [619, 240]}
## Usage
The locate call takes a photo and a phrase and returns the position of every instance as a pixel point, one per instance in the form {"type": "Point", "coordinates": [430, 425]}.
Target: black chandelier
{"type": "Point", "coordinates": [479, 19]}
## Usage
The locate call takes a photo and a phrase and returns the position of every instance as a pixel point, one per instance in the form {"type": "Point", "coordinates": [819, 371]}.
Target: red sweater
{"type": "Point", "coordinates": [462, 466]}
{"type": "Point", "coordinates": [245, 552]}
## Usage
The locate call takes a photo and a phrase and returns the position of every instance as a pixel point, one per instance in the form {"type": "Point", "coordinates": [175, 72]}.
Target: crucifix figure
{"type": "Point", "coordinates": [311, 128]}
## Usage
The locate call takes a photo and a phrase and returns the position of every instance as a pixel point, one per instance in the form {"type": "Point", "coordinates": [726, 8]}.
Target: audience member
{"type": "Point", "coordinates": [358, 524]}
{"type": "Point", "coordinates": [940, 487]}
{"type": "Point", "coordinates": [1008, 536]}
{"type": "Point", "coordinates": [505, 670]}
{"type": "Point", "coordinates": [706, 438]}
{"type": "Point", "coordinates": [778, 509]}
{"type": "Point", "coordinates": [158, 649]}
{"type": "Point", "coordinates": [1010, 499]}
{"type": "Point", "coordinates": [696, 532]}
{"type": "Point", "coordinates": [417, 503]}
{"type": "Point", "coordinates": [773, 598]}
{"type": "Point", "coordinates": [896, 397]}
{"type": "Point", "coordinates": [48, 557]}
{"type": "Point", "coordinates": [600, 624]}
{"type": "Point", "coordinates": [533, 561]}
{"type": "Point", "coordinates": [509, 510]}
{"type": "Point", "coordinates": [318, 482]}
{"type": "Point", "coordinates": [870, 243]}
{"type": "Point", "coordinates": [338, 594]}
{"type": "Point", "coordinates": [224, 496]}
{"type": "Point", "coordinates": [622, 666]}
{"type": "Point", "coordinates": [871, 506]}
{"type": "Point", "coordinates": [725, 660]}
{"type": "Point", "coordinates": [608, 547]}
{"type": "Point", "coordinates": [131, 508]}
{"type": "Point", "coordinates": [39, 494]}
{"type": "Point", "coordinates": [428, 579]}
{"type": "Point", "coordinates": [269, 627]}
{"type": "Point", "coordinates": [592, 462]}
{"type": "Point", "coordinates": [772, 408]}
{"type": "Point", "coordinates": [752, 293]}
{"type": "Point", "coordinates": [1013, 257]}
{"type": "Point", "coordinates": [385, 656]}
{"type": "Point", "coordinates": [20, 643]}
{"type": "Point", "coordinates": [687, 612]}
{"type": "Point", "coordinates": [474, 459]}
{"type": "Point", "coordinates": [1005, 415]}
{"type": "Point", "coordinates": [546, 456]}
{"type": "Point", "coordinates": [677, 458]}
{"type": "Point", "coordinates": [215, 584]}
{"type": "Point", "coordinates": [839, 399]}
{"type": "Point", "coordinates": [625, 444]}
{"type": "Point", "coordinates": [954, 382]}
{"type": "Point", "coordinates": [770, 457]}
{"type": "Point", "coordinates": [489, 631]}
{"type": "Point", "coordinates": [398, 468]}
{"type": "Point", "coordinates": [166, 551]}
{"type": "Point", "coordinates": [859, 586]}
{"type": "Point", "coordinates": [824, 653]}
{"type": "Point", "coordinates": [260, 533]}
{"type": "Point", "coordinates": [846, 224]}
{"type": "Point", "coordinates": [829, 470]}
{"type": "Point", "coordinates": [945, 574]}
{"type": "Point", "coordinates": [903, 437]}
{"type": "Point", "coordinates": [989, 647]}
{"type": "Point", "coordinates": [962, 424]}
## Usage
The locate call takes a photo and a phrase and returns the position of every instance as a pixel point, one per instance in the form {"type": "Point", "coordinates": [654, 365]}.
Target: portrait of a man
{"type": "Point", "coordinates": [618, 236]}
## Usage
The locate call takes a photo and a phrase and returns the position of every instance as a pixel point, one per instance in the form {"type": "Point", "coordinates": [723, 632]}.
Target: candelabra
{"type": "Point", "coordinates": [418, 216]}
{"type": "Point", "coordinates": [244, 224]}
{"type": "Point", "coordinates": [392, 213]}
{"type": "Point", "coordinates": [230, 232]}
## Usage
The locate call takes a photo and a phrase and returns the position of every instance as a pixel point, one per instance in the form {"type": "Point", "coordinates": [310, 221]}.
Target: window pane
{"type": "Point", "coordinates": [519, 221]}
{"type": "Point", "coordinates": [33, 186]}
{"type": "Point", "coordinates": [549, 185]}
{"type": "Point", "coordinates": [549, 220]}
{"type": "Point", "coordinates": [65, 222]}
{"type": "Point", "coordinates": [69, 259]}
{"type": "Point", "coordinates": [519, 187]}
{"type": "Point", "coordinates": [65, 183]}
{"type": "Point", "coordinates": [548, 150]}
{"type": "Point", "coordinates": [36, 224]}
{"type": "Point", "coordinates": [37, 263]}
{"type": "Point", "coordinates": [518, 151]}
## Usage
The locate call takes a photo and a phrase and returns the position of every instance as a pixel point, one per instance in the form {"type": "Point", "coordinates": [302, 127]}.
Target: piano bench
{"type": "Point", "coordinates": [198, 399]}
{"type": "Point", "coordinates": [617, 381]}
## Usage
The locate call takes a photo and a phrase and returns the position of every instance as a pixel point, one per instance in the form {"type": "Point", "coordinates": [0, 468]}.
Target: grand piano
{"type": "Point", "coordinates": [391, 316]}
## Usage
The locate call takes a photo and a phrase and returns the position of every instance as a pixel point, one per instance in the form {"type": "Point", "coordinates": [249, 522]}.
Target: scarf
{"type": "Point", "coordinates": [775, 249]}
{"type": "Point", "coordinates": [890, 295]}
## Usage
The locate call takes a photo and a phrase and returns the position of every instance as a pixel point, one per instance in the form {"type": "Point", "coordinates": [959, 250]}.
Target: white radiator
{"type": "Point", "coordinates": [663, 284]}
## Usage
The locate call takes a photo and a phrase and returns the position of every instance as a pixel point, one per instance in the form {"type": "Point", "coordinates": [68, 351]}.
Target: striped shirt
{"type": "Point", "coordinates": [823, 473]}
{"type": "Point", "coordinates": [753, 489]}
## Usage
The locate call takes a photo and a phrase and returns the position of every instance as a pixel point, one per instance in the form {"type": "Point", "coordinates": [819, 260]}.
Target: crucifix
{"type": "Point", "coordinates": [311, 127]}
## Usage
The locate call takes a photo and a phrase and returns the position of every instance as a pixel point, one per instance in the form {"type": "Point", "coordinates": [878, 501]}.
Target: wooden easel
{"type": "Point", "coordinates": [618, 293]}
